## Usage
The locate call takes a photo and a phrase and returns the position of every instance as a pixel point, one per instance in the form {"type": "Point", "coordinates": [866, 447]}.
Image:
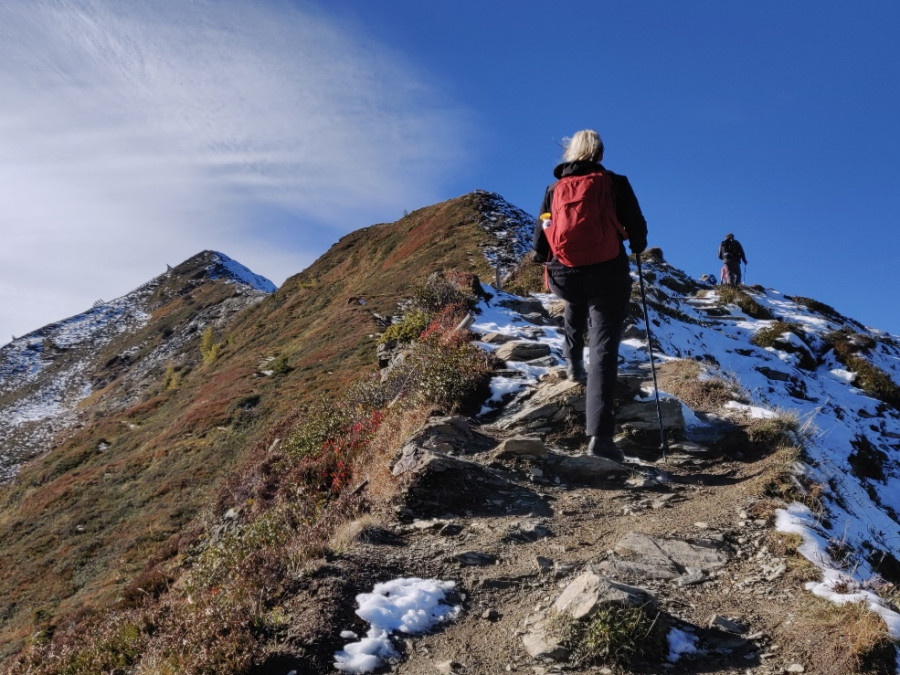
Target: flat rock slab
{"type": "Point", "coordinates": [642, 556]}
{"type": "Point", "coordinates": [589, 590]}
{"type": "Point", "coordinates": [522, 351]}
{"type": "Point", "coordinates": [642, 415]}
{"type": "Point", "coordinates": [438, 485]}
{"type": "Point", "coordinates": [553, 401]}
{"type": "Point", "coordinates": [582, 468]}
{"type": "Point", "coordinates": [522, 446]}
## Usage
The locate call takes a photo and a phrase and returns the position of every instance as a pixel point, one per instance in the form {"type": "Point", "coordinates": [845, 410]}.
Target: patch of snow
{"type": "Point", "coordinates": [681, 642]}
{"type": "Point", "coordinates": [843, 375]}
{"type": "Point", "coordinates": [411, 606]}
{"type": "Point", "coordinates": [754, 411]}
{"type": "Point", "coordinates": [836, 585]}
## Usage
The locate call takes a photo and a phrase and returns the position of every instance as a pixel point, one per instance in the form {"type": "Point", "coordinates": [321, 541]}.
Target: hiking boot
{"type": "Point", "coordinates": [575, 371]}
{"type": "Point", "coordinates": [603, 446]}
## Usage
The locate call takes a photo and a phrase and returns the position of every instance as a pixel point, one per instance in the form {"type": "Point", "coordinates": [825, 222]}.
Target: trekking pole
{"type": "Point", "coordinates": [662, 433]}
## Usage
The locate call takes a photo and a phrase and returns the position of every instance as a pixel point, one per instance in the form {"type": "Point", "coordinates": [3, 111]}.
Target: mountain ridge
{"type": "Point", "coordinates": [170, 430]}
{"type": "Point", "coordinates": [204, 458]}
{"type": "Point", "coordinates": [64, 348]}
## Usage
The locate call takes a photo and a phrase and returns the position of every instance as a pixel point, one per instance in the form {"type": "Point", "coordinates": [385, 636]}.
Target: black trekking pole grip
{"type": "Point", "coordinates": [662, 433]}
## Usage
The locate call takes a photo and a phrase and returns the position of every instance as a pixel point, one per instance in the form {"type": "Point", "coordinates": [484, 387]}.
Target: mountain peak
{"type": "Point", "coordinates": [219, 266]}
{"type": "Point", "coordinates": [46, 374]}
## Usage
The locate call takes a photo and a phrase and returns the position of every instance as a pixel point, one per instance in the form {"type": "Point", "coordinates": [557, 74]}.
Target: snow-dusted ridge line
{"type": "Point", "coordinates": [48, 372]}
{"type": "Point", "coordinates": [511, 227]}
{"type": "Point", "coordinates": [235, 272]}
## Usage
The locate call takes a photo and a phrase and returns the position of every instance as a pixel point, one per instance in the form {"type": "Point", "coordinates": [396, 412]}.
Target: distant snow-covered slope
{"type": "Point", "coordinates": [45, 374]}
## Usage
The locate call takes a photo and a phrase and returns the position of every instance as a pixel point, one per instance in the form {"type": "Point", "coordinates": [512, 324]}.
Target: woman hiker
{"type": "Point", "coordinates": [586, 215]}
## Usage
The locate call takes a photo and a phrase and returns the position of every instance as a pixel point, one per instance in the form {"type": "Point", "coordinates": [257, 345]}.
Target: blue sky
{"type": "Point", "coordinates": [137, 133]}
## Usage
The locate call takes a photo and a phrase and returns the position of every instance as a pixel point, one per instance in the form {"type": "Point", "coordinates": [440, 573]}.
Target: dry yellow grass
{"type": "Point", "coordinates": [848, 638]}
{"type": "Point", "coordinates": [684, 378]}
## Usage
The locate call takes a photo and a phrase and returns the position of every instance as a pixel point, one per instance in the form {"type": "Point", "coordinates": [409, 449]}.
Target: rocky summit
{"type": "Point", "coordinates": [380, 467]}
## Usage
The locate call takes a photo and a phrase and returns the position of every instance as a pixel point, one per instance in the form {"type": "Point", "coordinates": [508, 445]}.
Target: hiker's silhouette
{"type": "Point", "coordinates": [731, 253]}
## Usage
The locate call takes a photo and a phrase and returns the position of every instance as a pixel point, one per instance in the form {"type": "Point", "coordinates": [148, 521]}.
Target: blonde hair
{"type": "Point", "coordinates": [585, 145]}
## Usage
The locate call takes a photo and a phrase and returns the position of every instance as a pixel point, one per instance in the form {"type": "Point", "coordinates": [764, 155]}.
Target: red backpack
{"type": "Point", "coordinates": [583, 227]}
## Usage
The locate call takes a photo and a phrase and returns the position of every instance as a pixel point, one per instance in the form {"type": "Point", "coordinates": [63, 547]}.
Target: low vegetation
{"type": "Point", "coordinates": [614, 635]}
{"type": "Point", "coordinates": [688, 380]}
{"type": "Point", "coordinates": [821, 308]}
{"type": "Point", "coordinates": [849, 347]}
{"type": "Point", "coordinates": [853, 638]}
{"type": "Point", "coordinates": [407, 329]}
{"type": "Point", "coordinates": [735, 295]}
{"type": "Point", "coordinates": [773, 336]}
{"type": "Point", "coordinates": [776, 432]}
{"type": "Point", "coordinates": [526, 279]}
{"type": "Point", "coordinates": [216, 605]}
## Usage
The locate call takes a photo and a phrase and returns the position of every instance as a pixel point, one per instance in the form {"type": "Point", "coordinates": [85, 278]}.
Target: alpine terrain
{"type": "Point", "coordinates": [378, 467]}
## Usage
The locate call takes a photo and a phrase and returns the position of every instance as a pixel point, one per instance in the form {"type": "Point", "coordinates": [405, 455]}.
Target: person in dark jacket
{"type": "Point", "coordinates": [597, 296]}
{"type": "Point", "coordinates": [732, 254]}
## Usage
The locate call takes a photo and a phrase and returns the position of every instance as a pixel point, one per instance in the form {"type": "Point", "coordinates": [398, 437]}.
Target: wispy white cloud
{"type": "Point", "coordinates": [136, 133]}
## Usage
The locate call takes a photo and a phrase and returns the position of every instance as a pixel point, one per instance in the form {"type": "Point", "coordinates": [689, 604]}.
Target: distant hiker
{"type": "Point", "coordinates": [586, 215]}
{"type": "Point", "coordinates": [732, 254]}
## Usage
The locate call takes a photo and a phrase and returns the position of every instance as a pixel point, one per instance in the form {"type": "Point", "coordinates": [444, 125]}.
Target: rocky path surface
{"type": "Point", "coordinates": [511, 511]}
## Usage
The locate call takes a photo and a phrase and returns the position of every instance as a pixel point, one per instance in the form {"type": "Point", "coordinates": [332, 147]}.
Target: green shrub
{"type": "Point", "coordinates": [615, 635]}
{"type": "Point", "coordinates": [847, 347]}
{"type": "Point", "coordinates": [444, 368]}
{"type": "Point", "coordinates": [819, 308]}
{"type": "Point", "coordinates": [874, 381]}
{"type": "Point", "coordinates": [113, 652]}
{"type": "Point", "coordinates": [407, 329]}
{"type": "Point", "coordinates": [280, 365]}
{"type": "Point", "coordinates": [774, 431]}
{"type": "Point", "coordinates": [209, 348]}
{"type": "Point", "coordinates": [845, 343]}
{"type": "Point", "coordinates": [526, 279]}
{"type": "Point", "coordinates": [171, 378]}
{"type": "Point", "coordinates": [771, 337]}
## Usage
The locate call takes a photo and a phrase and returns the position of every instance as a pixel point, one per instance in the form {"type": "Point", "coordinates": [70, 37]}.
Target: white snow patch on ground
{"type": "Point", "coordinates": [410, 606]}
{"type": "Point", "coordinates": [680, 643]}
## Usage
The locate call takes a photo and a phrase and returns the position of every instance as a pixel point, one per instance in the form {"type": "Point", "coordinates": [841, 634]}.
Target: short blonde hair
{"type": "Point", "coordinates": [585, 145]}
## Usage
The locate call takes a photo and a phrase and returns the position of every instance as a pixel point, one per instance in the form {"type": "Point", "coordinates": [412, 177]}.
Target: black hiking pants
{"type": "Point", "coordinates": [595, 305]}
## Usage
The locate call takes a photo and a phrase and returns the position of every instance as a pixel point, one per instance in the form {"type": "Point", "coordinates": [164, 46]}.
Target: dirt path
{"type": "Point", "coordinates": [508, 562]}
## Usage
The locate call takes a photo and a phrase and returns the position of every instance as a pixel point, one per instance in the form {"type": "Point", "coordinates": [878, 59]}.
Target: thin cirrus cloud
{"type": "Point", "coordinates": [136, 134]}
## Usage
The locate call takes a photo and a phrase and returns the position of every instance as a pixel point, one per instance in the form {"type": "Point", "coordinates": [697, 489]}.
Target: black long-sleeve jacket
{"type": "Point", "coordinates": [732, 247]}
{"type": "Point", "coordinates": [628, 211]}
